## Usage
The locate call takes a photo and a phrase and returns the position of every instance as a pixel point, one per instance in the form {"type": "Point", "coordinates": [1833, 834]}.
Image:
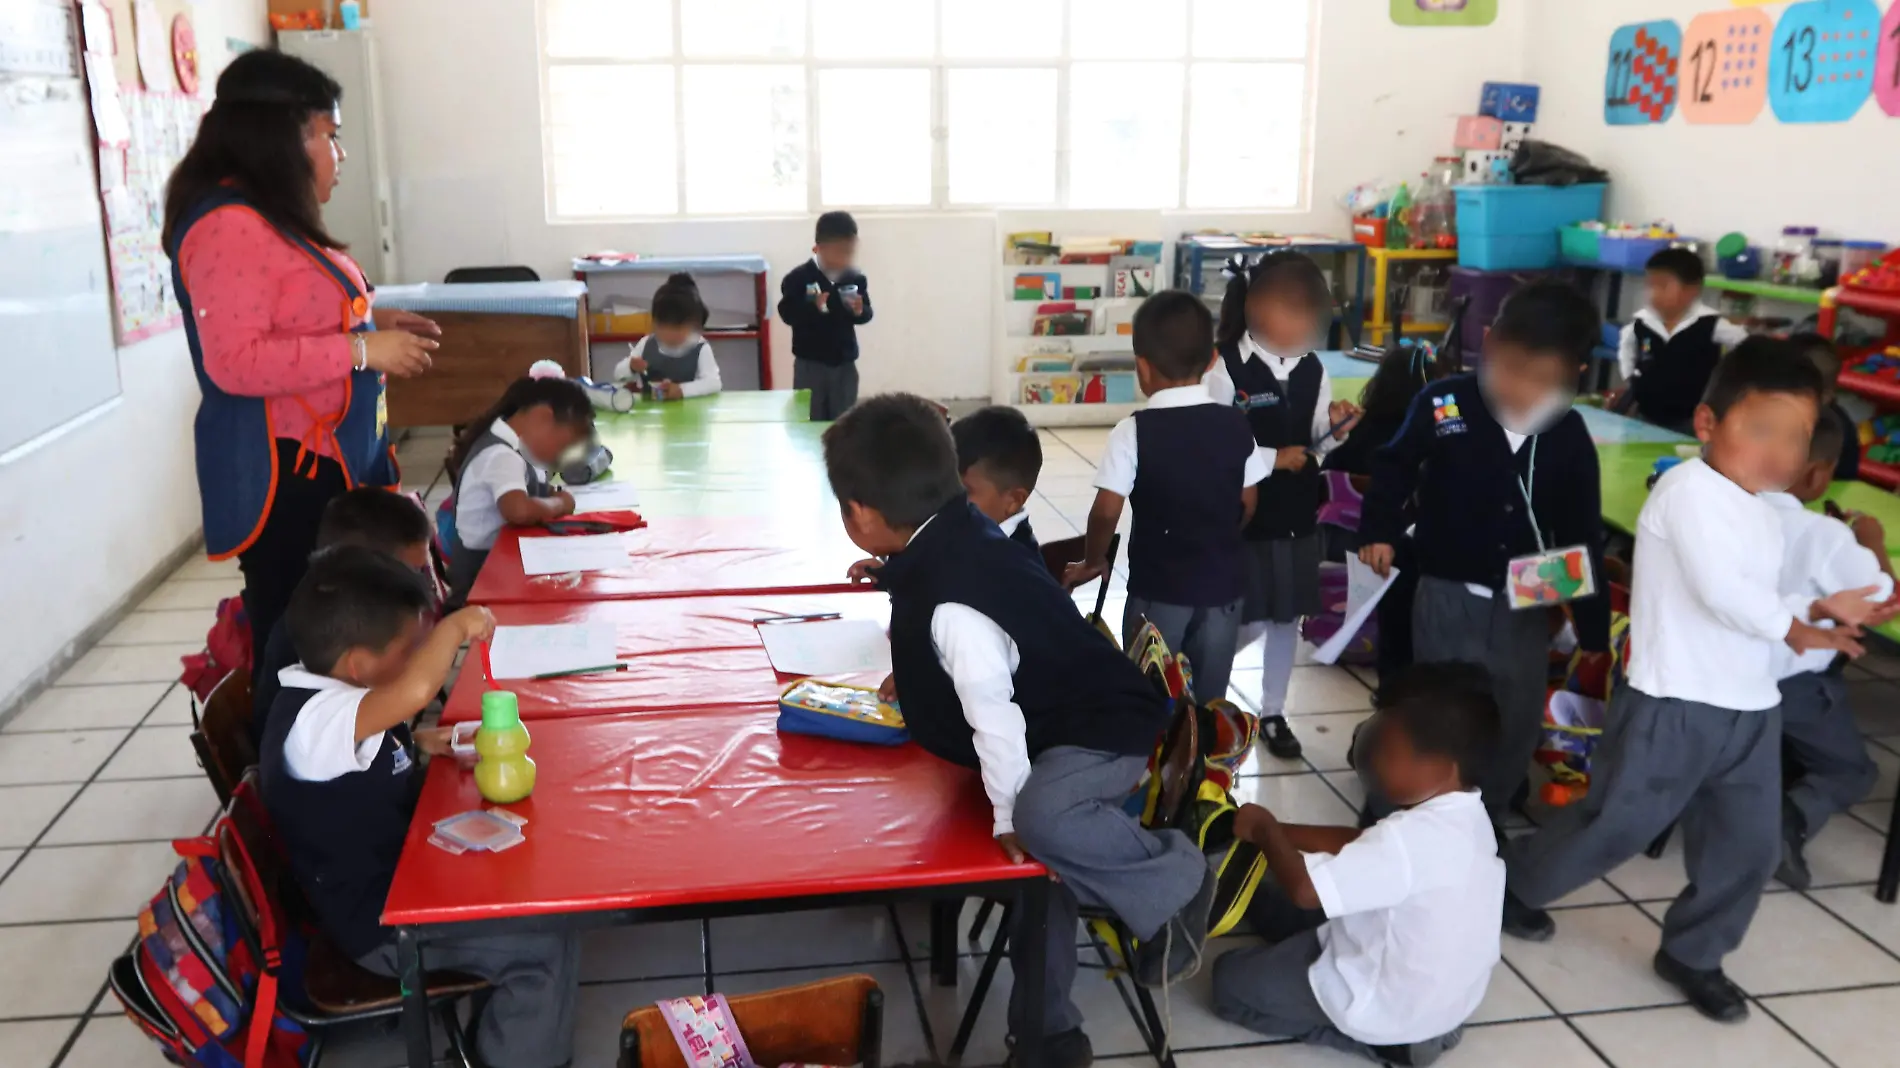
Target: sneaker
{"type": "Point", "coordinates": [1794, 842]}
{"type": "Point", "coordinates": [1418, 1054]}
{"type": "Point", "coordinates": [1064, 1049]}
{"type": "Point", "coordinates": [1525, 922]}
{"type": "Point", "coordinates": [1175, 950]}
{"type": "Point", "coordinates": [1280, 739]}
{"type": "Point", "coordinates": [1709, 991]}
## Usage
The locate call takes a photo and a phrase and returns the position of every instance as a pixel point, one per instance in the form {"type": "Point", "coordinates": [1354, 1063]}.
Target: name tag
{"type": "Point", "coordinates": [1540, 580]}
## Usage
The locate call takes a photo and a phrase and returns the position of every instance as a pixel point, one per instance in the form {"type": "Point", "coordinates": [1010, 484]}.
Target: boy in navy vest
{"type": "Point", "coordinates": [1672, 346]}
{"type": "Point", "coordinates": [340, 779]}
{"type": "Point", "coordinates": [824, 300]}
{"type": "Point", "coordinates": [1497, 466]}
{"type": "Point", "coordinates": [999, 457]}
{"type": "Point", "coordinates": [1190, 468]}
{"type": "Point", "coordinates": [996, 670]}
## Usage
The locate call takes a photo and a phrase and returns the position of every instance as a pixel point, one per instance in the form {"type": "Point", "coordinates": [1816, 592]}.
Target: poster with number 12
{"type": "Point", "coordinates": [1821, 68]}
{"type": "Point", "coordinates": [1725, 66]}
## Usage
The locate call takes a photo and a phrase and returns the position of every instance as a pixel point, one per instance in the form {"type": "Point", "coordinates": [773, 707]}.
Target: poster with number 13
{"type": "Point", "coordinates": [1821, 68]}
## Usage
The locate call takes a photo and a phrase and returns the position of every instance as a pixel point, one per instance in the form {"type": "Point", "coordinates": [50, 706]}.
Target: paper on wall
{"type": "Point", "coordinates": [826, 647]}
{"type": "Point", "coordinates": [1364, 588]}
{"type": "Point", "coordinates": [524, 652]}
{"type": "Point", "coordinates": [581, 552]}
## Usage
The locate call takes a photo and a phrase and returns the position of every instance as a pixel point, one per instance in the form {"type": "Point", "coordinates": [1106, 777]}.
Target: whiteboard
{"type": "Point", "coordinates": [57, 353]}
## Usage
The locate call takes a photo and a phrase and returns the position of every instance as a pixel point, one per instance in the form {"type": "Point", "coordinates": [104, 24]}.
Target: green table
{"type": "Point", "coordinates": [739, 406]}
{"type": "Point", "coordinates": [1766, 290]}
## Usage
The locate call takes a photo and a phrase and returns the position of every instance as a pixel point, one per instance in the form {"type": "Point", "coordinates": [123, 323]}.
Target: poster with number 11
{"type": "Point", "coordinates": [1821, 68]}
{"type": "Point", "coordinates": [1641, 84]}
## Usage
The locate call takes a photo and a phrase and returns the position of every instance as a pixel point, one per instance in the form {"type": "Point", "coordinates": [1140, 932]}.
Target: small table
{"type": "Point", "coordinates": [695, 816]}
{"type": "Point", "coordinates": [492, 332]}
{"type": "Point", "coordinates": [1378, 326]}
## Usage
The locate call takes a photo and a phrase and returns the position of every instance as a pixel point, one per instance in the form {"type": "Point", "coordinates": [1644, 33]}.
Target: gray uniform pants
{"type": "Point", "coordinates": [529, 1019]}
{"type": "Point", "coordinates": [1209, 637]}
{"type": "Point", "coordinates": [1450, 623]}
{"type": "Point", "coordinates": [1715, 771]}
{"type": "Point", "coordinates": [1069, 816]}
{"type": "Point", "coordinates": [1819, 730]}
{"type": "Point", "coordinates": [834, 387]}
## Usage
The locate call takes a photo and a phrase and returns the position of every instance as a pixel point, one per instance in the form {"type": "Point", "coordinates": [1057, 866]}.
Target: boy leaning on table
{"type": "Point", "coordinates": [340, 779]}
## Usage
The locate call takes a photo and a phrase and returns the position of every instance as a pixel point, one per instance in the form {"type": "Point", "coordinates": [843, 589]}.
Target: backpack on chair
{"type": "Point", "coordinates": [227, 649]}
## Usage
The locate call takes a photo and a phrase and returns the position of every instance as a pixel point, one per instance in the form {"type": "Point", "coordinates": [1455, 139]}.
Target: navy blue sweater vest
{"type": "Point", "coordinates": [1672, 373]}
{"type": "Point", "coordinates": [1026, 537]}
{"type": "Point", "coordinates": [1452, 463]}
{"type": "Point", "coordinates": [1185, 547]}
{"type": "Point", "coordinates": [1073, 686]}
{"type": "Point", "coordinates": [1281, 415]}
{"type": "Point", "coordinates": [343, 836]}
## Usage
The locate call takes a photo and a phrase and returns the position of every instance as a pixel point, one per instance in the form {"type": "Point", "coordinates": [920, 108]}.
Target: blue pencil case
{"type": "Point", "coordinates": [846, 713]}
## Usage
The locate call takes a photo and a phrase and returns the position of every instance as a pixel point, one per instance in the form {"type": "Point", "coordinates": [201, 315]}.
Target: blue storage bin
{"type": "Point", "coordinates": [1507, 252]}
{"type": "Point", "coordinates": [1630, 253]}
{"type": "Point", "coordinates": [1520, 209]}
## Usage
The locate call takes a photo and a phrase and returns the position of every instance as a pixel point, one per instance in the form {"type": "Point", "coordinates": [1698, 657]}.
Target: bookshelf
{"type": "Point", "coordinates": [1083, 378]}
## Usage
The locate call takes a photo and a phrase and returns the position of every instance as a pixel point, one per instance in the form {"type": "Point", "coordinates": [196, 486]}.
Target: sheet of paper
{"type": "Point", "coordinates": [1363, 590]}
{"type": "Point", "coordinates": [604, 496]}
{"type": "Point", "coordinates": [826, 647]}
{"type": "Point", "coordinates": [582, 552]}
{"type": "Point", "coordinates": [524, 652]}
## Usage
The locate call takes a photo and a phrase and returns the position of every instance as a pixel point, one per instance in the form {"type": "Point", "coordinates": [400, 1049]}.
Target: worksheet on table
{"type": "Point", "coordinates": [579, 552]}
{"type": "Point", "coordinates": [524, 652]}
{"type": "Point", "coordinates": [826, 647]}
{"type": "Point", "coordinates": [604, 496]}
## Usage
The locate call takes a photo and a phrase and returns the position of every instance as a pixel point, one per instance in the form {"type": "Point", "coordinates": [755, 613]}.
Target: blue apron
{"type": "Point", "coordinates": [236, 445]}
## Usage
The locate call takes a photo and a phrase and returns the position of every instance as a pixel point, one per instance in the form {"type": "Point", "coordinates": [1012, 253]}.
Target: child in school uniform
{"type": "Point", "coordinates": [377, 519]}
{"type": "Point", "coordinates": [1190, 468]}
{"type": "Point", "coordinates": [1000, 457]}
{"type": "Point", "coordinates": [674, 359]}
{"type": "Point", "coordinates": [997, 671]}
{"type": "Point", "coordinates": [501, 466]}
{"type": "Point", "coordinates": [1832, 770]}
{"type": "Point", "coordinates": [1671, 346]}
{"type": "Point", "coordinates": [1384, 938]}
{"type": "Point", "coordinates": [339, 777]}
{"type": "Point", "coordinates": [1827, 360]}
{"type": "Point", "coordinates": [1694, 737]}
{"type": "Point", "coordinates": [1269, 317]}
{"type": "Point", "coordinates": [824, 300]}
{"type": "Point", "coordinates": [1493, 467]}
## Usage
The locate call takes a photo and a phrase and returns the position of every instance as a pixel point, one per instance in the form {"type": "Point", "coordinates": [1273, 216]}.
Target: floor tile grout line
{"type": "Point", "coordinates": [88, 782]}
{"type": "Point", "coordinates": [1798, 1036]}
{"type": "Point", "coordinates": [1851, 925]}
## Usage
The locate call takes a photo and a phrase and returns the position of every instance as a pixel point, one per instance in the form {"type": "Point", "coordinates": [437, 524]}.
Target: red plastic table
{"type": "Point", "coordinates": [681, 653]}
{"type": "Point", "coordinates": [684, 557]}
{"type": "Point", "coordinates": [696, 815]}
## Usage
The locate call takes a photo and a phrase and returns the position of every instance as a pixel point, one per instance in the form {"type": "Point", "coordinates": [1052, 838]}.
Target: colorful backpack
{"type": "Point", "coordinates": [227, 649]}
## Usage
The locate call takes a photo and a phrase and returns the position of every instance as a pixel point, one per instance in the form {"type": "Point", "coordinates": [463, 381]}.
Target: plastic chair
{"type": "Point", "coordinates": [221, 733]}
{"type": "Point", "coordinates": [832, 1021]}
{"type": "Point", "coordinates": [492, 274]}
{"type": "Point", "coordinates": [334, 989]}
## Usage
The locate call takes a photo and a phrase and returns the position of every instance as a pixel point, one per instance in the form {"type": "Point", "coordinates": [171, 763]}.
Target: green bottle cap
{"type": "Point", "coordinates": [500, 710]}
{"type": "Point", "coordinates": [1731, 245]}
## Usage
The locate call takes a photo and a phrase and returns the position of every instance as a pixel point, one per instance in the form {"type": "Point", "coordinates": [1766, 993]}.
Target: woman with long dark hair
{"type": "Point", "coordinates": [288, 355]}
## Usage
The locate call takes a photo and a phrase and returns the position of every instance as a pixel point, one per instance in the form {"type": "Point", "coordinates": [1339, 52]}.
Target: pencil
{"type": "Point", "coordinates": [800, 619]}
{"type": "Point", "coordinates": [581, 671]}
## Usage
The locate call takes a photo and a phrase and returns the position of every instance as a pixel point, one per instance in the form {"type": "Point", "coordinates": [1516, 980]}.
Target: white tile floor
{"type": "Point", "coordinates": [96, 776]}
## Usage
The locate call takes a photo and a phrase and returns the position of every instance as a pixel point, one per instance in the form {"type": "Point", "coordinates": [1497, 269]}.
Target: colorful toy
{"type": "Point", "coordinates": [1883, 275]}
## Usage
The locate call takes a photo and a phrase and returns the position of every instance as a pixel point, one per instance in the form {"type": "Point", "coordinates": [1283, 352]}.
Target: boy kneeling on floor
{"type": "Point", "coordinates": [340, 780]}
{"type": "Point", "coordinates": [997, 670]}
{"type": "Point", "coordinates": [1386, 937]}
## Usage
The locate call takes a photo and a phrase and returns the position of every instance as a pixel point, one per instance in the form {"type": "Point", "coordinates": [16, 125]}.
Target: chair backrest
{"type": "Point", "coordinates": [1058, 555]}
{"type": "Point", "coordinates": [222, 737]}
{"type": "Point", "coordinates": [832, 1021]}
{"type": "Point", "coordinates": [516, 273]}
{"type": "Point", "coordinates": [249, 850]}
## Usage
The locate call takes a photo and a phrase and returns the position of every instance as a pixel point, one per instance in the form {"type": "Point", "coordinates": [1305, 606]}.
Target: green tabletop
{"type": "Point", "coordinates": [1766, 290]}
{"type": "Point", "coordinates": [739, 406]}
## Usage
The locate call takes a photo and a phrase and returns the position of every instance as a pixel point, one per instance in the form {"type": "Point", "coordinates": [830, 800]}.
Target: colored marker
{"type": "Point", "coordinates": [602, 669]}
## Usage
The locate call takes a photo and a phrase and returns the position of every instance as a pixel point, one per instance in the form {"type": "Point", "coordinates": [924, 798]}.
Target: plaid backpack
{"type": "Point", "coordinates": [227, 649]}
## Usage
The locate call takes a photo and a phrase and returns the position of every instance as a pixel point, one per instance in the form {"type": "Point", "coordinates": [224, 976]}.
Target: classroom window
{"type": "Point", "coordinates": [742, 107]}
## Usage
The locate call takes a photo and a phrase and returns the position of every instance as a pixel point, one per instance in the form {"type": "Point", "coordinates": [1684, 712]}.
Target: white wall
{"type": "Point", "coordinates": [91, 512]}
{"type": "Point", "coordinates": [1709, 180]}
{"type": "Point", "coordinates": [462, 83]}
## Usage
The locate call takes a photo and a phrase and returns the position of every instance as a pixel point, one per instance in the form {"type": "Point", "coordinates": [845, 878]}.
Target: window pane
{"type": "Point", "coordinates": [1125, 135]}
{"type": "Point", "coordinates": [610, 29]}
{"type": "Point", "coordinates": [1002, 136]}
{"type": "Point", "coordinates": [1250, 29]}
{"type": "Point", "coordinates": [1002, 29]}
{"type": "Point", "coordinates": [1127, 29]}
{"type": "Point", "coordinates": [742, 27]}
{"type": "Point", "coordinates": [1260, 169]}
{"type": "Point", "coordinates": [611, 141]}
{"type": "Point", "coordinates": [874, 136]}
{"type": "Point", "coordinates": [745, 139]}
{"type": "Point", "coordinates": [873, 29]}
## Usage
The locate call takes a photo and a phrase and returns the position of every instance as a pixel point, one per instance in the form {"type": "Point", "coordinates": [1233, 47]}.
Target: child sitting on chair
{"type": "Point", "coordinates": [1671, 347]}
{"type": "Point", "coordinates": [675, 358]}
{"type": "Point", "coordinates": [1386, 937]}
{"type": "Point", "coordinates": [999, 456]}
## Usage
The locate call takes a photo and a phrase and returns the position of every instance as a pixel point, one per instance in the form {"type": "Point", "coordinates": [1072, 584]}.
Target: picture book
{"type": "Point", "coordinates": [1049, 389]}
{"type": "Point", "coordinates": [1037, 285]}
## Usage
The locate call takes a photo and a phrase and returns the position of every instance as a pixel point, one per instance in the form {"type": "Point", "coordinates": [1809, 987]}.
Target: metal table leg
{"type": "Point", "coordinates": [415, 998]}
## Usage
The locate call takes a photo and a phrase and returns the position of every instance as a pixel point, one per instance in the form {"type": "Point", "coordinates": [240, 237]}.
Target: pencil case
{"type": "Point", "coordinates": [845, 713]}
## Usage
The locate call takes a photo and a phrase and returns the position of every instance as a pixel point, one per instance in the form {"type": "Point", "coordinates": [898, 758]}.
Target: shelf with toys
{"type": "Point", "coordinates": [1872, 290]}
{"type": "Point", "coordinates": [1065, 332]}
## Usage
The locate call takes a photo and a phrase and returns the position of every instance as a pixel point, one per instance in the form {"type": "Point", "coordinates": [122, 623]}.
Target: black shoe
{"type": "Point", "coordinates": [1280, 739]}
{"type": "Point", "coordinates": [1064, 1049]}
{"type": "Point", "coordinates": [1709, 991]}
{"type": "Point", "coordinates": [1794, 842]}
{"type": "Point", "coordinates": [1418, 1054]}
{"type": "Point", "coordinates": [1525, 922]}
{"type": "Point", "coordinates": [1175, 950]}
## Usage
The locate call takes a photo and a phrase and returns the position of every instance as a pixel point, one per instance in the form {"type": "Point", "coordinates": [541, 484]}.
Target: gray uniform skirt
{"type": "Point", "coordinates": [1282, 580]}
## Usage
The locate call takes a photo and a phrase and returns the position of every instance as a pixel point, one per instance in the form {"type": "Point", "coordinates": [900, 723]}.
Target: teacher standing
{"type": "Point", "coordinates": [289, 357]}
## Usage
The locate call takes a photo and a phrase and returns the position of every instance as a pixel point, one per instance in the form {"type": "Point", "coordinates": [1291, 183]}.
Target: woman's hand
{"type": "Point", "coordinates": [407, 321]}
{"type": "Point", "coordinates": [397, 353]}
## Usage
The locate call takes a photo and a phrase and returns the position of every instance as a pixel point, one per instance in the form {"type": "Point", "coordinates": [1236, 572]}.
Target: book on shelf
{"type": "Point", "coordinates": [1131, 280]}
{"type": "Point", "coordinates": [1062, 324]}
{"type": "Point", "coordinates": [1044, 363]}
{"type": "Point", "coordinates": [1081, 292]}
{"type": "Point", "coordinates": [1048, 389]}
{"type": "Point", "coordinates": [1118, 316]}
{"type": "Point", "coordinates": [1111, 387]}
{"type": "Point", "coordinates": [1030, 247]}
{"type": "Point", "coordinates": [1037, 285]}
{"type": "Point", "coordinates": [1105, 361]}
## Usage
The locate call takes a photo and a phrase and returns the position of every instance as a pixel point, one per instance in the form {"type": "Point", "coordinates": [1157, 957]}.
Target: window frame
{"type": "Point", "coordinates": [938, 65]}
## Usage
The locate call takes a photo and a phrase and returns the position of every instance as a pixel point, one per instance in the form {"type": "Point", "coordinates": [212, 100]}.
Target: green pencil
{"type": "Point", "coordinates": [581, 671]}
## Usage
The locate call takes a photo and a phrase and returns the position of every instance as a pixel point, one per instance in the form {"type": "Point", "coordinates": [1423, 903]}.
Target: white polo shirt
{"type": "Point", "coordinates": [322, 742]}
{"type": "Point", "coordinates": [1116, 473]}
{"type": "Point", "coordinates": [1821, 557]}
{"type": "Point", "coordinates": [487, 477]}
{"type": "Point", "coordinates": [1411, 932]}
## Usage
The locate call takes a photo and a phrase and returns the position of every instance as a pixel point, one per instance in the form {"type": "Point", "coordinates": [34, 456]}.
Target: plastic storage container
{"type": "Point", "coordinates": [1579, 244]}
{"type": "Point", "coordinates": [1858, 254]}
{"type": "Point", "coordinates": [1631, 253]}
{"type": "Point", "coordinates": [1508, 227]}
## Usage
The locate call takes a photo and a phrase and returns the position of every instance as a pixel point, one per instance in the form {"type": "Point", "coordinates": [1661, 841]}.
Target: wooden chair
{"type": "Point", "coordinates": [1058, 555]}
{"type": "Point", "coordinates": [832, 1021]}
{"type": "Point", "coordinates": [221, 733]}
{"type": "Point", "coordinates": [336, 990]}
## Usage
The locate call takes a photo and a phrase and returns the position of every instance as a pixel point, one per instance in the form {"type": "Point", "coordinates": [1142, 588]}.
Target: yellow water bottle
{"type": "Point", "coordinates": [503, 772]}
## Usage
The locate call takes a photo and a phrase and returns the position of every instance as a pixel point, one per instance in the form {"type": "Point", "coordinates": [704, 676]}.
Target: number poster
{"type": "Point", "coordinates": [1640, 87]}
{"type": "Point", "coordinates": [1887, 68]}
{"type": "Point", "coordinates": [1822, 65]}
{"type": "Point", "coordinates": [1725, 77]}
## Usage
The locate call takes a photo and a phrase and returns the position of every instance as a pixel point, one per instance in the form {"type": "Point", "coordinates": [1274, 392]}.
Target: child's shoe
{"type": "Point", "coordinates": [1525, 922]}
{"type": "Point", "coordinates": [1175, 950]}
{"type": "Point", "coordinates": [1280, 739]}
{"type": "Point", "coordinates": [1064, 1049]}
{"type": "Point", "coordinates": [1794, 843]}
{"type": "Point", "coordinates": [1418, 1054]}
{"type": "Point", "coordinates": [1710, 991]}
